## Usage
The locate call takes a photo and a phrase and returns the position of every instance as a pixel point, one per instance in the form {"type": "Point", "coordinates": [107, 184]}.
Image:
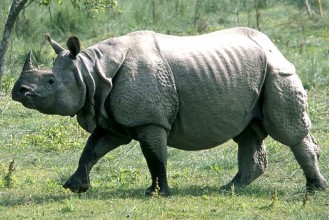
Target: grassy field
{"type": "Point", "coordinates": [45, 149]}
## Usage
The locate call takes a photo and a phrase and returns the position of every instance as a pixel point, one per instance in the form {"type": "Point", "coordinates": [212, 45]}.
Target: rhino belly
{"type": "Point", "coordinates": [218, 90]}
{"type": "Point", "coordinates": [202, 127]}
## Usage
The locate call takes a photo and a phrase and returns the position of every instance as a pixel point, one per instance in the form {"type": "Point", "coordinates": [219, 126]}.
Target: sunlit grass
{"type": "Point", "coordinates": [119, 179]}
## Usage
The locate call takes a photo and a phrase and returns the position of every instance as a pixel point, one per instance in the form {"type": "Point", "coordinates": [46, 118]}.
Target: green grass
{"type": "Point", "coordinates": [46, 149]}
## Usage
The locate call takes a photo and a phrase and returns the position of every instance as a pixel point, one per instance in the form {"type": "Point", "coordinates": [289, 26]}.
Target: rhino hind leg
{"type": "Point", "coordinates": [286, 120]}
{"type": "Point", "coordinates": [252, 160]}
{"type": "Point", "coordinates": [153, 141]}
{"type": "Point", "coordinates": [307, 154]}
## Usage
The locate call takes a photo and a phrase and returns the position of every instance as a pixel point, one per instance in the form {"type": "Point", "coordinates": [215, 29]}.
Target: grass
{"type": "Point", "coordinates": [45, 149]}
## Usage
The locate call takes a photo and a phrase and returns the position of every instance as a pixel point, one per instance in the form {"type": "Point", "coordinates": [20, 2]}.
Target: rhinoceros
{"type": "Point", "coordinates": [186, 92]}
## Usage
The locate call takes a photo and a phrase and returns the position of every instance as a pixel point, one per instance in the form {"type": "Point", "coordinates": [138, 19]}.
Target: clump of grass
{"type": "Point", "coordinates": [67, 207]}
{"type": "Point", "coordinates": [274, 199]}
{"type": "Point", "coordinates": [305, 200]}
{"type": "Point", "coordinates": [156, 192]}
{"type": "Point", "coordinates": [232, 192]}
{"type": "Point", "coordinates": [8, 179]}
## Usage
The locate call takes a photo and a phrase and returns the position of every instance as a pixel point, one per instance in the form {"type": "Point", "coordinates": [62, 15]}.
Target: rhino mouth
{"type": "Point", "coordinates": [30, 105]}
{"type": "Point", "coordinates": [26, 97]}
{"type": "Point", "coordinates": [28, 101]}
{"type": "Point", "coordinates": [21, 93]}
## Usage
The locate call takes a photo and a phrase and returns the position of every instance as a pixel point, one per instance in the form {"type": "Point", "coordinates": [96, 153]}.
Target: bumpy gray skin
{"type": "Point", "coordinates": [190, 93]}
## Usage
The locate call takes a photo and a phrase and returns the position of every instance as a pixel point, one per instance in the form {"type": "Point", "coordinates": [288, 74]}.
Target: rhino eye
{"type": "Point", "coordinates": [51, 81]}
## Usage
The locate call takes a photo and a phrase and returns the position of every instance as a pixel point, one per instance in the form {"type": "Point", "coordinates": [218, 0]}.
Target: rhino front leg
{"type": "Point", "coordinates": [153, 141]}
{"type": "Point", "coordinates": [252, 160]}
{"type": "Point", "coordinates": [307, 154]}
{"type": "Point", "coordinates": [99, 143]}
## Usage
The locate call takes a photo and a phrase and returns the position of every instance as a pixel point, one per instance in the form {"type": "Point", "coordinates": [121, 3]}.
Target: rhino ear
{"type": "Point", "coordinates": [73, 43]}
{"type": "Point", "coordinates": [28, 62]}
{"type": "Point", "coordinates": [57, 48]}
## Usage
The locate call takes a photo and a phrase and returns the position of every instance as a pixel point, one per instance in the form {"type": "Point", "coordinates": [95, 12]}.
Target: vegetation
{"type": "Point", "coordinates": [39, 152]}
{"type": "Point", "coordinates": [18, 5]}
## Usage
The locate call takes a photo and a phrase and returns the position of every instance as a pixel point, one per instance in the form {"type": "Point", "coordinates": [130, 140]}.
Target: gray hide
{"type": "Point", "coordinates": [190, 93]}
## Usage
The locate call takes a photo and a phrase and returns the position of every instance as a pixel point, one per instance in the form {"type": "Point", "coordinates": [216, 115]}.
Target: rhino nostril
{"type": "Point", "coordinates": [25, 91]}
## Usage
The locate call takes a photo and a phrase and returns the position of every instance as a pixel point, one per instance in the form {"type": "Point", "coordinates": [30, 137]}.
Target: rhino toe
{"type": "Point", "coordinates": [316, 184]}
{"type": "Point", "coordinates": [76, 185]}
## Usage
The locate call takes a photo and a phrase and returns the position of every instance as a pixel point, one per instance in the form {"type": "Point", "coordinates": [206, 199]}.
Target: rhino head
{"type": "Point", "coordinates": [57, 91]}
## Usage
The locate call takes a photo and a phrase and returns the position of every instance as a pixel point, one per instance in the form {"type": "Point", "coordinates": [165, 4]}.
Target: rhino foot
{"type": "Point", "coordinates": [151, 191]}
{"type": "Point", "coordinates": [229, 186]}
{"type": "Point", "coordinates": [76, 184]}
{"type": "Point", "coordinates": [306, 153]}
{"type": "Point", "coordinates": [316, 184]}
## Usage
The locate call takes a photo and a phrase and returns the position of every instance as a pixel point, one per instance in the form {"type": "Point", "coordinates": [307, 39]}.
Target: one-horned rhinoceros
{"type": "Point", "coordinates": [190, 93]}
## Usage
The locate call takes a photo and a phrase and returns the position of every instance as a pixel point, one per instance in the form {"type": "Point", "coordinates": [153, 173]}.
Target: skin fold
{"type": "Point", "coordinates": [190, 93]}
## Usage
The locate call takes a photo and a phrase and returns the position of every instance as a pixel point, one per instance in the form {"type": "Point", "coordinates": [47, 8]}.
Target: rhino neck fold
{"type": "Point", "coordinates": [98, 65]}
{"type": "Point", "coordinates": [93, 112]}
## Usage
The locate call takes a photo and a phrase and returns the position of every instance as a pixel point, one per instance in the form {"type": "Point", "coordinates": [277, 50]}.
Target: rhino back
{"type": "Point", "coordinates": [218, 78]}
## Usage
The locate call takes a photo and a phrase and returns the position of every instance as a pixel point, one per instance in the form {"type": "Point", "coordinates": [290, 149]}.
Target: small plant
{"type": "Point", "coordinates": [67, 207]}
{"type": "Point", "coordinates": [124, 177]}
{"type": "Point", "coordinates": [232, 192]}
{"type": "Point", "coordinates": [274, 199]}
{"type": "Point", "coordinates": [216, 167]}
{"type": "Point", "coordinates": [8, 179]}
{"type": "Point", "coordinates": [305, 200]}
{"type": "Point", "coordinates": [156, 192]}
{"type": "Point", "coordinates": [7, 83]}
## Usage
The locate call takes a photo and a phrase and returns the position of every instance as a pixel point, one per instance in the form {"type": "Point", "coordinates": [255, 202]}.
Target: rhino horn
{"type": "Point", "coordinates": [57, 48]}
{"type": "Point", "coordinates": [28, 62]}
